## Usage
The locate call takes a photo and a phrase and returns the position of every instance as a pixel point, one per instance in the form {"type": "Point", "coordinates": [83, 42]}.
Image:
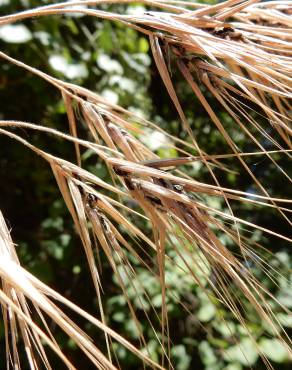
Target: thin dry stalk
{"type": "Point", "coordinates": [240, 51]}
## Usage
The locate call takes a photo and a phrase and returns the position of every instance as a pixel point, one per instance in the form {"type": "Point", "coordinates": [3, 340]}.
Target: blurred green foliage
{"type": "Point", "coordinates": [115, 62]}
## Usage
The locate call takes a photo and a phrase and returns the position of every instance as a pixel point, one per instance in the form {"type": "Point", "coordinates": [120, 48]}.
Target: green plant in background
{"type": "Point", "coordinates": [179, 301]}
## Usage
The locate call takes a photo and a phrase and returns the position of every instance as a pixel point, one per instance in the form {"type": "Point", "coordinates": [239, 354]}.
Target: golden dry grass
{"type": "Point", "coordinates": [239, 51]}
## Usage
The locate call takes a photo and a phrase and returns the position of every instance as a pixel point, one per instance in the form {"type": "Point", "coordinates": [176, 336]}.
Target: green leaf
{"type": "Point", "coordinates": [285, 320]}
{"type": "Point", "coordinates": [244, 352]}
{"type": "Point", "coordinates": [285, 297]}
{"type": "Point", "coordinates": [207, 312]}
{"type": "Point", "coordinates": [132, 329]}
{"type": "Point", "coordinates": [167, 153]}
{"type": "Point", "coordinates": [72, 26]}
{"type": "Point", "coordinates": [226, 328]}
{"type": "Point", "coordinates": [119, 316]}
{"type": "Point", "coordinates": [54, 223]}
{"type": "Point", "coordinates": [15, 34]}
{"type": "Point", "coordinates": [76, 269]}
{"type": "Point", "coordinates": [54, 249]}
{"type": "Point", "coordinates": [207, 354]}
{"type": "Point", "coordinates": [274, 349]}
{"type": "Point", "coordinates": [65, 239]}
{"type": "Point", "coordinates": [143, 45]}
{"type": "Point", "coordinates": [105, 37]}
{"type": "Point", "coordinates": [233, 366]}
{"type": "Point", "coordinates": [157, 300]}
{"type": "Point", "coordinates": [183, 360]}
{"type": "Point", "coordinates": [152, 350]}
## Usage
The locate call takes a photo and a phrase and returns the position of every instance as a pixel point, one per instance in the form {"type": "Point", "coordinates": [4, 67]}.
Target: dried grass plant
{"type": "Point", "coordinates": [240, 52]}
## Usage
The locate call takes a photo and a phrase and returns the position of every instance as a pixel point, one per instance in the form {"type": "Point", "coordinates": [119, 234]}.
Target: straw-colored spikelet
{"type": "Point", "coordinates": [240, 52]}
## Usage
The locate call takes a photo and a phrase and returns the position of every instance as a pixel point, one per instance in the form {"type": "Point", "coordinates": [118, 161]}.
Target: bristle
{"type": "Point", "coordinates": [239, 51]}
